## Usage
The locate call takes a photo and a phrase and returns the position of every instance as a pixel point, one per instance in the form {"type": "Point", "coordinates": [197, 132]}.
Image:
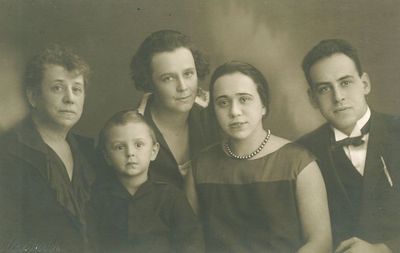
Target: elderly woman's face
{"type": "Point", "coordinates": [59, 102]}
{"type": "Point", "coordinates": [175, 79]}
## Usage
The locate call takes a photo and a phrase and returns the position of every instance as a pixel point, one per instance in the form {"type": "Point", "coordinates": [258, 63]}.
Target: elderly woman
{"type": "Point", "coordinates": [44, 176]}
{"type": "Point", "coordinates": [168, 66]}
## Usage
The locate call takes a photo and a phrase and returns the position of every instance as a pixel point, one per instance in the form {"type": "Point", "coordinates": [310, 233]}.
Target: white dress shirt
{"type": "Point", "coordinates": [356, 154]}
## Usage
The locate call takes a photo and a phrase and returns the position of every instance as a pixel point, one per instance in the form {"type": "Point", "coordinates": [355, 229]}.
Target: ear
{"type": "Point", "coordinates": [31, 95]}
{"type": "Point", "coordinates": [264, 110]}
{"type": "Point", "coordinates": [311, 97]}
{"type": "Point", "coordinates": [154, 151]}
{"type": "Point", "coordinates": [366, 83]}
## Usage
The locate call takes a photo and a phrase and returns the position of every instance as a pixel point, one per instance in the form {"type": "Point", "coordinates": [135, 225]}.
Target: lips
{"type": "Point", "coordinates": [67, 111]}
{"type": "Point", "coordinates": [237, 125]}
{"type": "Point", "coordinates": [341, 109]}
{"type": "Point", "coordinates": [131, 164]}
{"type": "Point", "coordinates": [183, 98]}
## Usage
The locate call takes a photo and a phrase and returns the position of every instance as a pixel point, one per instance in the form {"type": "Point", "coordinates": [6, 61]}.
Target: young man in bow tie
{"type": "Point", "coordinates": [358, 151]}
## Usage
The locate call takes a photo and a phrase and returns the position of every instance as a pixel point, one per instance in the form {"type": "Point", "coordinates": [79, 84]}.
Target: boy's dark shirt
{"type": "Point", "coordinates": [157, 218]}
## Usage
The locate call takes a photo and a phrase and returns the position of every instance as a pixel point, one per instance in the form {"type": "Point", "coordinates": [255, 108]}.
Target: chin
{"type": "Point", "coordinates": [238, 135]}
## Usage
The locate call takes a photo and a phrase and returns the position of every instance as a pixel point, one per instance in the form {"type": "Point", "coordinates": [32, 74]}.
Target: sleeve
{"type": "Point", "coordinates": [300, 157]}
{"type": "Point", "coordinates": [394, 244]}
{"type": "Point", "coordinates": [11, 199]}
{"type": "Point", "coordinates": [187, 232]}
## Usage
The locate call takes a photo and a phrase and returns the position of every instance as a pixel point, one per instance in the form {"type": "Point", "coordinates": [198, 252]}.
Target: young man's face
{"type": "Point", "coordinates": [175, 79]}
{"type": "Point", "coordinates": [130, 148]}
{"type": "Point", "coordinates": [59, 101]}
{"type": "Point", "coordinates": [339, 91]}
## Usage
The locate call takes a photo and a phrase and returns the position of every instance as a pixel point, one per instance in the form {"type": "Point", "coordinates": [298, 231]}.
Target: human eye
{"type": "Point", "coordinates": [78, 90]}
{"type": "Point", "coordinates": [57, 88]}
{"type": "Point", "coordinates": [189, 73]}
{"type": "Point", "coordinates": [222, 102]}
{"type": "Point", "coordinates": [345, 83]}
{"type": "Point", "coordinates": [322, 89]}
{"type": "Point", "coordinates": [118, 147]}
{"type": "Point", "coordinates": [244, 99]}
{"type": "Point", "coordinates": [167, 78]}
{"type": "Point", "coordinates": [139, 144]}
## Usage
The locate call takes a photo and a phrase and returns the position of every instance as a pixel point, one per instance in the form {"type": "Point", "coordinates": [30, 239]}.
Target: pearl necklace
{"type": "Point", "coordinates": [255, 152]}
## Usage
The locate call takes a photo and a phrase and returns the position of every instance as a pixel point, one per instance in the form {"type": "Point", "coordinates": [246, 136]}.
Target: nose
{"type": "Point", "coordinates": [338, 94]}
{"type": "Point", "coordinates": [68, 96]}
{"type": "Point", "coordinates": [181, 84]}
{"type": "Point", "coordinates": [130, 151]}
{"type": "Point", "coordinates": [235, 109]}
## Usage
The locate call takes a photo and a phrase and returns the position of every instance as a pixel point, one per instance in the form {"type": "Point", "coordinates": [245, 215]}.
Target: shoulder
{"type": "Point", "coordinates": [292, 158]}
{"type": "Point", "coordinates": [315, 137]}
{"type": "Point", "coordinates": [294, 152]}
{"type": "Point", "coordinates": [166, 193]}
{"type": "Point", "coordinates": [392, 122]}
{"type": "Point", "coordinates": [210, 153]}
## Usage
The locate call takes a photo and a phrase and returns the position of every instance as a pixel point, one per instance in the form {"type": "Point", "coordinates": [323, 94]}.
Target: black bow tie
{"type": "Point", "coordinates": [353, 141]}
{"type": "Point", "coordinates": [349, 141]}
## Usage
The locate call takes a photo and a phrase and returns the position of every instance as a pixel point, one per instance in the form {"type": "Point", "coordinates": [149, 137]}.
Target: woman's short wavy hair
{"type": "Point", "coordinates": [54, 55]}
{"type": "Point", "coordinates": [158, 42]}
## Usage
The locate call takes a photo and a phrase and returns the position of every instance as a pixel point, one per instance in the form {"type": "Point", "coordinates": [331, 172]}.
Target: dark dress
{"type": "Point", "coordinates": [250, 205]}
{"type": "Point", "coordinates": [156, 219]}
{"type": "Point", "coordinates": [201, 134]}
{"type": "Point", "coordinates": [41, 209]}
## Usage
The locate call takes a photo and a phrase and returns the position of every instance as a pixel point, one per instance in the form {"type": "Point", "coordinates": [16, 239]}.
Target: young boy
{"type": "Point", "coordinates": [131, 212]}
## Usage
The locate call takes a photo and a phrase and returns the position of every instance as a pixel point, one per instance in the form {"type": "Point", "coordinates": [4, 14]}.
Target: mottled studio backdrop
{"type": "Point", "coordinates": [272, 35]}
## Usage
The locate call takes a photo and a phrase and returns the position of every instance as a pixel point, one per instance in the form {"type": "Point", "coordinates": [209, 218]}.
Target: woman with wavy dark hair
{"type": "Point", "coordinates": [167, 66]}
{"type": "Point", "coordinates": [257, 192]}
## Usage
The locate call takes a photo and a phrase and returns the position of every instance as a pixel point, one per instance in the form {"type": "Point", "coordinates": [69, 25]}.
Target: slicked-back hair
{"type": "Point", "coordinates": [54, 55]}
{"type": "Point", "coordinates": [327, 48]}
{"type": "Point", "coordinates": [122, 118]}
{"type": "Point", "coordinates": [246, 69]}
{"type": "Point", "coordinates": [159, 42]}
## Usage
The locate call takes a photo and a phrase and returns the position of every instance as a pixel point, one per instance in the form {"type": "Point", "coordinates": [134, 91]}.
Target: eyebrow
{"type": "Point", "coordinates": [345, 77]}
{"type": "Point", "coordinates": [340, 79]}
{"type": "Point", "coordinates": [236, 94]}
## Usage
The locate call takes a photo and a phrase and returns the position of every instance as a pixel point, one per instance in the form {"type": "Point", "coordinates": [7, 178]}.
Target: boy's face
{"type": "Point", "coordinates": [129, 149]}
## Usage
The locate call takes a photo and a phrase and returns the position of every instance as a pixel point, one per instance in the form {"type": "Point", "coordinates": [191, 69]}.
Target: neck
{"type": "Point", "coordinates": [249, 144]}
{"type": "Point", "coordinates": [132, 184]}
{"type": "Point", "coordinates": [168, 119]}
{"type": "Point", "coordinates": [49, 132]}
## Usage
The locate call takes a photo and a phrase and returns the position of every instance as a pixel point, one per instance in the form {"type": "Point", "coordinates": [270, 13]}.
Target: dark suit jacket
{"type": "Point", "coordinates": [379, 221]}
{"type": "Point", "coordinates": [31, 217]}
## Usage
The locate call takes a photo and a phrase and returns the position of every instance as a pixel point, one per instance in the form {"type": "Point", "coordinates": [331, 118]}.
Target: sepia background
{"type": "Point", "coordinates": [273, 35]}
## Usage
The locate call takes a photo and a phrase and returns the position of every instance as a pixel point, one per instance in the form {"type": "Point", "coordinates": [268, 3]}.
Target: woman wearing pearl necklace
{"type": "Point", "coordinates": [257, 192]}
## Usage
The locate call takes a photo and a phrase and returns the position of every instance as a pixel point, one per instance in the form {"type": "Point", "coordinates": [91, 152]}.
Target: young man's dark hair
{"type": "Point", "coordinates": [326, 48]}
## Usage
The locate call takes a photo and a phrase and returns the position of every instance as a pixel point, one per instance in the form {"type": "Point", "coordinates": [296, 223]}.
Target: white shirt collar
{"type": "Point", "coordinates": [357, 128]}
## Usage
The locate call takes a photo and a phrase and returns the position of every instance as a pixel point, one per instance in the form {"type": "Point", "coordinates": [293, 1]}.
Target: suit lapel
{"type": "Point", "coordinates": [373, 171]}
{"type": "Point", "coordinates": [331, 172]}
